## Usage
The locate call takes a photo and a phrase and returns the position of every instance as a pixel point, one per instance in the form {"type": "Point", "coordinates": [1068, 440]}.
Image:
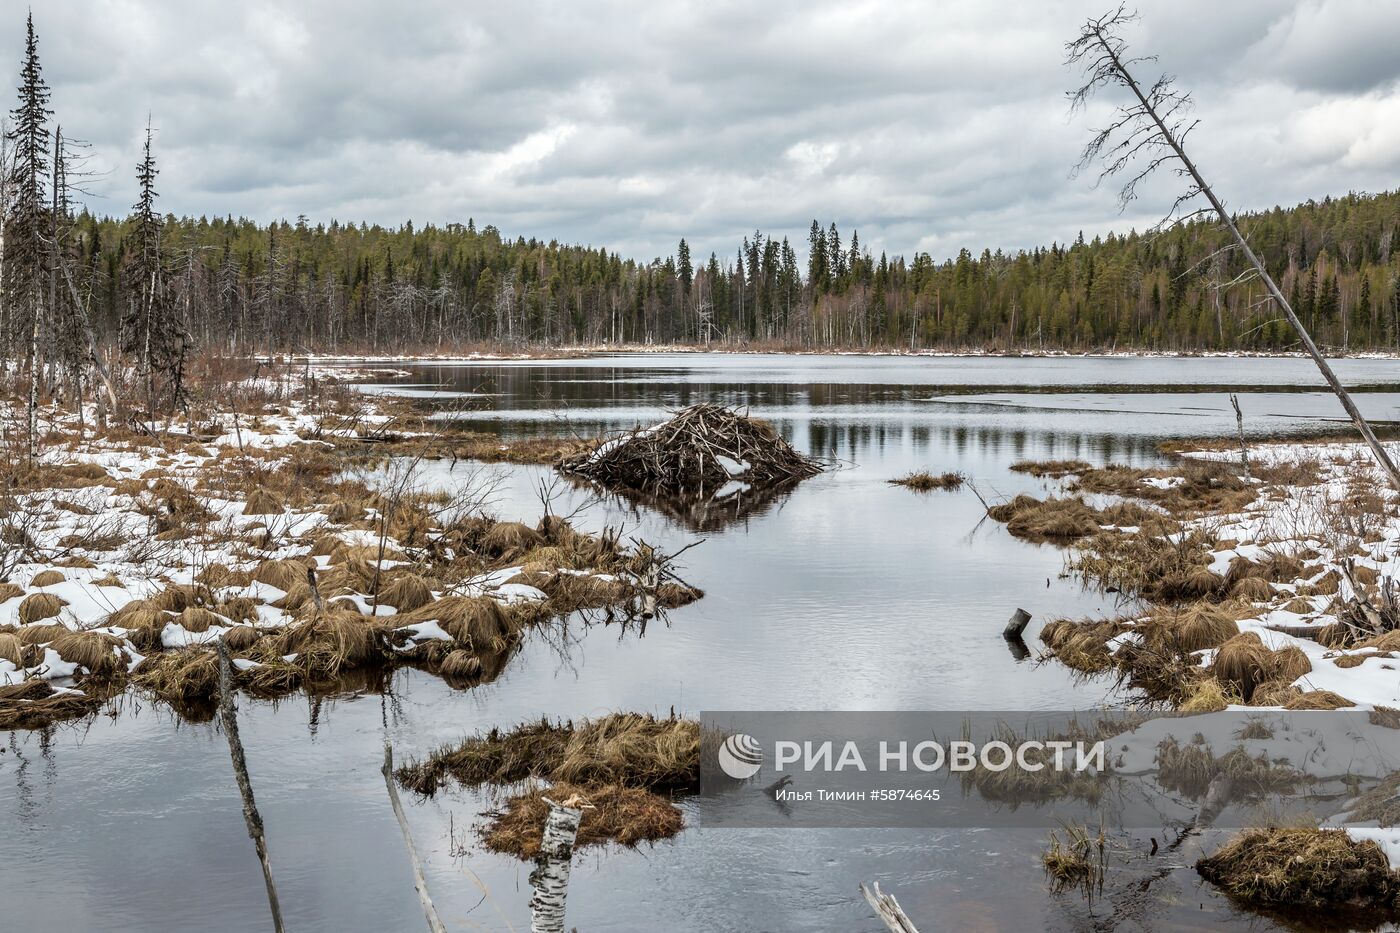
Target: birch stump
{"type": "Point", "coordinates": [550, 879]}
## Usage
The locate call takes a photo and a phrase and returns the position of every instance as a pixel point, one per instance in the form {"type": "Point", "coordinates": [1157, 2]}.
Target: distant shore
{"type": "Point", "coordinates": [580, 352]}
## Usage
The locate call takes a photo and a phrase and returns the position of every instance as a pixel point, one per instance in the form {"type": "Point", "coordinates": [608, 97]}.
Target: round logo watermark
{"type": "Point", "coordinates": [740, 756]}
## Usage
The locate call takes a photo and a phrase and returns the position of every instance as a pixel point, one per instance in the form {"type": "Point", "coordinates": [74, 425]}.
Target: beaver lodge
{"type": "Point", "coordinates": [130, 554]}
{"type": "Point", "coordinates": [624, 767]}
{"type": "Point", "coordinates": [707, 451]}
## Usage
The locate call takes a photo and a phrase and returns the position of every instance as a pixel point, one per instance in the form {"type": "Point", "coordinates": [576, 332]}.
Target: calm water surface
{"type": "Point", "coordinates": [846, 594]}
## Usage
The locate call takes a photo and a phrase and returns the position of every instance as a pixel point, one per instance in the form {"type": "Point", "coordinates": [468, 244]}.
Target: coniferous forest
{"type": "Point", "coordinates": [156, 287]}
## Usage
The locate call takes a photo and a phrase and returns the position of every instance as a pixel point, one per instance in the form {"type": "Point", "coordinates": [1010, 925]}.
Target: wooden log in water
{"type": "Point", "coordinates": [1016, 624]}
{"type": "Point", "coordinates": [887, 909]}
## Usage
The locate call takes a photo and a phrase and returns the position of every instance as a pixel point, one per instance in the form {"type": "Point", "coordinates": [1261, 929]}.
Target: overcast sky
{"type": "Point", "coordinates": [926, 125]}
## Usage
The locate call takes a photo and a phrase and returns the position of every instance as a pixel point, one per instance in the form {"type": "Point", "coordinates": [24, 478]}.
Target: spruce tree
{"type": "Point", "coordinates": [26, 251]}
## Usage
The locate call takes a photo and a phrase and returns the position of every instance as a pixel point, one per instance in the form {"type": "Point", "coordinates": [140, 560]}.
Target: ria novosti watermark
{"type": "Point", "coordinates": [1035, 769]}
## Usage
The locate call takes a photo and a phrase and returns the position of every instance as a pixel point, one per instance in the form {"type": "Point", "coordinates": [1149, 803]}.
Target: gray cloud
{"type": "Point", "coordinates": [925, 126]}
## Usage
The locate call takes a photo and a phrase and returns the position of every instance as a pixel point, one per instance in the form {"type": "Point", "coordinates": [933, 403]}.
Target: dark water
{"type": "Point", "coordinates": [846, 594]}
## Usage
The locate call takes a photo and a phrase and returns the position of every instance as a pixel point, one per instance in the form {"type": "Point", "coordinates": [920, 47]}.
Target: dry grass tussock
{"type": "Point", "coordinates": [1079, 862]}
{"type": "Point", "coordinates": [1055, 520]}
{"type": "Point", "coordinates": [1303, 867]}
{"type": "Point", "coordinates": [623, 748]}
{"type": "Point", "coordinates": [924, 481]}
{"type": "Point", "coordinates": [611, 813]}
{"type": "Point", "coordinates": [1054, 469]}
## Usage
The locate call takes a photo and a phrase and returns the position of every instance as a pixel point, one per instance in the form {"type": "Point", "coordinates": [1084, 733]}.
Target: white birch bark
{"type": "Point", "coordinates": [550, 879]}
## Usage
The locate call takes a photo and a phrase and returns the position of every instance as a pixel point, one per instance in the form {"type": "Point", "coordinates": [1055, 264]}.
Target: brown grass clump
{"type": "Point", "coordinates": [924, 481]}
{"type": "Point", "coordinates": [1080, 862]}
{"type": "Point", "coordinates": [1200, 580]}
{"type": "Point", "coordinates": [625, 815]}
{"type": "Point", "coordinates": [1206, 695]}
{"type": "Point", "coordinates": [675, 595]}
{"type": "Point", "coordinates": [333, 641]}
{"type": "Point", "coordinates": [459, 664]}
{"type": "Point", "coordinates": [1254, 589]}
{"type": "Point", "coordinates": [1290, 663]}
{"type": "Point", "coordinates": [1193, 628]}
{"type": "Point", "coordinates": [1318, 699]}
{"type": "Point", "coordinates": [37, 606]}
{"type": "Point", "coordinates": [509, 538]}
{"type": "Point", "coordinates": [198, 619]}
{"type": "Point", "coordinates": [477, 621]}
{"type": "Point", "coordinates": [633, 749]}
{"type": "Point", "coordinates": [280, 573]}
{"type": "Point", "coordinates": [47, 578]}
{"type": "Point", "coordinates": [109, 579]}
{"type": "Point", "coordinates": [324, 544]}
{"type": "Point", "coordinates": [182, 675]}
{"type": "Point", "coordinates": [1081, 645]}
{"type": "Point", "coordinates": [93, 650]}
{"type": "Point", "coordinates": [241, 637]}
{"type": "Point", "coordinates": [1303, 867]}
{"type": "Point", "coordinates": [217, 576]}
{"type": "Point", "coordinates": [40, 634]}
{"type": "Point", "coordinates": [9, 591]}
{"type": "Point", "coordinates": [1274, 693]}
{"type": "Point", "coordinates": [1350, 660]}
{"type": "Point", "coordinates": [1243, 662]}
{"type": "Point", "coordinates": [1051, 468]}
{"type": "Point", "coordinates": [262, 502]}
{"type": "Point", "coordinates": [179, 597]}
{"type": "Point", "coordinates": [530, 749]}
{"type": "Point", "coordinates": [143, 620]}
{"type": "Point", "coordinates": [1052, 520]}
{"type": "Point", "coordinates": [11, 648]}
{"type": "Point", "coordinates": [1327, 585]}
{"type": "Point", "coordinates": [407, 592]}
{"type": "Point", "coordinates": [624, 748]}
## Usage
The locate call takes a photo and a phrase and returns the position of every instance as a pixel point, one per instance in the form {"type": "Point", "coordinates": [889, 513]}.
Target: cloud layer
{"type": "Point", "coordinates": [925, 126]}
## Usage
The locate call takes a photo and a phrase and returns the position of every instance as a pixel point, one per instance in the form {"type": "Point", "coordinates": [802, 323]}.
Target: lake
{"type": "Point", "coordinates": [846, 593]}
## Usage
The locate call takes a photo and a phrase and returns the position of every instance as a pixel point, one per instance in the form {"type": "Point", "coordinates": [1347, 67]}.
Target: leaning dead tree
{"type": "Point", "coordinates": [228, 715]}
{"type": "Point", "coordinates": [1150, 133]}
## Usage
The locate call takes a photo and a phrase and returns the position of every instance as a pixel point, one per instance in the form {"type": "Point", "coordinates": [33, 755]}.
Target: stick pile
{"type": "Point", "coordinates": [701, 450]}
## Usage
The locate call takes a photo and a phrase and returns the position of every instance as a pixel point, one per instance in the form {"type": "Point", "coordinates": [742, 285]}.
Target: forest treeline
{"type": "Point", "coordinates": [82, 291]}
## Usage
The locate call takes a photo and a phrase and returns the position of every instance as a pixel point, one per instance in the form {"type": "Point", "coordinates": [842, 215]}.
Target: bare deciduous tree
{"type": "Point", "coordinates": [1150, 133]}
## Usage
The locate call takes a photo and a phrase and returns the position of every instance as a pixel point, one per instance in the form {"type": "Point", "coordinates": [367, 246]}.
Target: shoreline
{"type": "Point", "coordinates": [585, 352]}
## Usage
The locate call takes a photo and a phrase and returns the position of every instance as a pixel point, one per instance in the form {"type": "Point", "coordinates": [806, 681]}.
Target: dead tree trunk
{"type": "Point", "coordinates": [420, 883]}
{"type": "Point", "coordinates": [550, 879]}
{"type": "Point", "coordinates": [1157, 106]}
{"type": "Point", "coordinates": [229, 717]}
{"type": "Point", "coordinates": [1239, 426]}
